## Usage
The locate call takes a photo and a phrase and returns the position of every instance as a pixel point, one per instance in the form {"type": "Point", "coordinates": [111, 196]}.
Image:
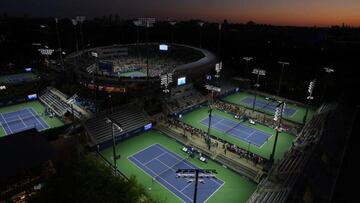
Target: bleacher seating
{"type": "Point", "coordinates": [57, 102]}
{"type": "Point", "coordinates": [291, 166]}
{"type": "Point", "coordinates": [129, 117]}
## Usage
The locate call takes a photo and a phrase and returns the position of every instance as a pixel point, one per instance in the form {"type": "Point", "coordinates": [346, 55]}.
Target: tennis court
{"type": "Point", "coordinates": [256, 138]}
{"type": "Point", "coordinates": [132, 74]}
{"type": "Point", "coordinates": [18, 78]}
{"type": "Point", "coordinates": [267, 105]}
{"type": "Point", "coordinates": [293, 112]}
{"type": "Point", "coordinates": [161, 164]}
{"type": "Point", "coordinates": [150, 147]}
{"type": "Point", "coordinates": [20, 117]}
{"type": "Point", "coordinates": [17, 121]}
{"type": "Point", "coordinates": [238, 130]}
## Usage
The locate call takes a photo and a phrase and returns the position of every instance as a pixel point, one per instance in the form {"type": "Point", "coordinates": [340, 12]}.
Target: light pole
{"type": "Point", "coordinates": [277, 118]}
{"type": "Point", "coordinates": [201, 24]}
{"type": "Point", "coordinates": [172, 23]}
{"type": "Point", "coordinates": [210, 104]}
{"type": "Point", "coordinates": [75, 22]}
{"type": "Point", "coordinates": [147, 23]}
{"type": "Point", "coordinates": [114, 126]}
{"type": "Point", "coordinates": [247, 59]}
{"type": "Point", "coordinates": [328, 71]}
{"type": "Point", "coordinates": [59, 42]}
{"type": "Point", "coordinates": [194, 175]}
{"type": "Point", "coordinates": [219, 43]}
{"type": "Point", "coordinates": [283, 64]}
{"type": "Point", "coordinates": [309, 98]}
{"type": "Point", "coordinates": [137, 24]}
{"type": "Point", "coordinates": [95, 55]}
{"type": "Point", "coordinates": [258, 72]}
{"type": "Point", "coordinates": [81, 20]}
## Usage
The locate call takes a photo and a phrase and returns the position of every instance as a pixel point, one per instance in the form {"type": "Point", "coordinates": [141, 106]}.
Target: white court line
{"type": "Point", "coordinates": [154, 158]}
{"type": "Point", "coordinates": [142, 150]}
{"type": "Point", "coordinates": [171, 154]}
{"type": "Point", "coordinates": [163, 180]}
{"type": "Point", "coordinates": [11, 132]}
{"type": "Point", "coordinates": [186, 186]}
{"type": "Point", "coordinates": [187, 163]}
{"type": "Point", "coordinates": [171, 168]}
{"type": "Point", "coordinates": [37, 118]}
{"type": "Point", "coordinates": [215, 191]}
{"type": "Point", "coordinates": [22, 121]}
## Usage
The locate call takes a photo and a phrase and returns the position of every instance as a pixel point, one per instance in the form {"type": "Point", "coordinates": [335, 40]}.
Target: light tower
{"type": "Point", "coordinates": [277, 118]}
{"type": "Point", "coordinates": [328, 72]}
{"type": "Point", "coordinates": [309, 98]}
{"type": "Point", "coordinates": [212, 89]}
{"type": "Point", "coordinates": [75, 22]}
{"type": "Point", "coordinates": [201, 24]}
{"type": "Point", "coordinates": [257, 72]}
{"type": "Point", "coordinates": [193, 175]}
{"type": "Point", "coordinates": [172, 23]}
{"type": "Point", "coordinates": [247, 59]}
{"type": "Point", "coordinates": [59, 43]}
{"type": "Point", "coordinates": [114, 126]}
{"type": "Point", "coordinates": [283, 64]}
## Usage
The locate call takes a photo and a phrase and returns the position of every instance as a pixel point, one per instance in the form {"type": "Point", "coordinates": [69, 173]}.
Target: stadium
{"type": "Point", "coordinates": [115, 67]}
{"type": "Point", "coordinates": [173, 122]}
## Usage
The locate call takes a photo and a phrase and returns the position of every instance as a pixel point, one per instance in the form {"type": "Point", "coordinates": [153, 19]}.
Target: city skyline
{"type": "Point", "coordinates": [277, 12]}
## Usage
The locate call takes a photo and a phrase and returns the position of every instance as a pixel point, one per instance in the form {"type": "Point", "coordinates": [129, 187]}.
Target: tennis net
{"type": "Point", "coordinates": [170, 168]}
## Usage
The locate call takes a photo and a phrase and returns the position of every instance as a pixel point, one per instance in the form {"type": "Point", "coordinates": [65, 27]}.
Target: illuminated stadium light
{"type": "Point", "coordinates": [80, 19]}
{"type": "Point", "coordinates": [212, 88]}
{"type": "Point", "coordinates": [165, 80]}
{"type": "Point", "coordinates": [46, 52]}
{"type": "Point", "coordinates": [218, 68]}
{"type": "Point", "coordinates": [94, 54]}
{"type": "Point", "coordinates": [196, 175]}
{"type": "Point", "coordinates": [74, 22]}
{"type": "Point", "coordinates": [36, 44]}
{"type": "Point", "coordinates": [145, 22]}
{"type": "Point", "coordinates": [329, 70]}
{"type": "Point", "coordinates": [309, 98]}
{"type": "Point", "coordinates": [248, 58]}
{"type": "Point", "coordinates": [2, 87]}
{"type": "Point", "coordinates": [311, 87]}
{"type": "Point", "coordinates": [259, 72]}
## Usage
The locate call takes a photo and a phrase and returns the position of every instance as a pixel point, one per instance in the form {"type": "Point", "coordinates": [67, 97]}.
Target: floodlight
{"type": "Point", "coordinates": [329, 70]}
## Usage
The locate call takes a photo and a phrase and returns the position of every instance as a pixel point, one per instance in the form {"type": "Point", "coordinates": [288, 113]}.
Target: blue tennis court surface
{"type": "Point", "coordinates": [159, 162]}
{"type": "Point", "coordinates": [267, 105]}
{"type": "Point", "coordinates": [21, 120]}
{"type": "Point", "coordinates": [238, 130]}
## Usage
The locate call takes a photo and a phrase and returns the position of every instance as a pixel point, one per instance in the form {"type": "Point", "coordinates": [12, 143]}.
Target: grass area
{"type": "Point", "coordinates": [133, 74]}
{"type": "Point", "coordinates": [38, 107]}
{"type": "Point", "coordinates": [17, 78]}
{"type": "Point", "coordinates": [284, 140]}
{"type": "Point", "coordinates": [297, 117]}
{"type": "Point", "coordinates": [236, 189]}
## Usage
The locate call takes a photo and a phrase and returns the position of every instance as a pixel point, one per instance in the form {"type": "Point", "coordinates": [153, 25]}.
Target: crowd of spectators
{"type": "Point", "coordinates": [257, 116]}
{"type": "Point", "coordinates": [217, 142]}
{"type": "Point", "coordinates": [185, 101]}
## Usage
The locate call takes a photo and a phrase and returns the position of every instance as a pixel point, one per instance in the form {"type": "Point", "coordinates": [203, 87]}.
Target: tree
{"type": "Point", "coordinates": [88, 180]}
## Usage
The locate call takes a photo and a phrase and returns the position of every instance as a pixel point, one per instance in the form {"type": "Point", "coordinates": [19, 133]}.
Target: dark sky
{"type": "Point", "coordinates": [283, 12]}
